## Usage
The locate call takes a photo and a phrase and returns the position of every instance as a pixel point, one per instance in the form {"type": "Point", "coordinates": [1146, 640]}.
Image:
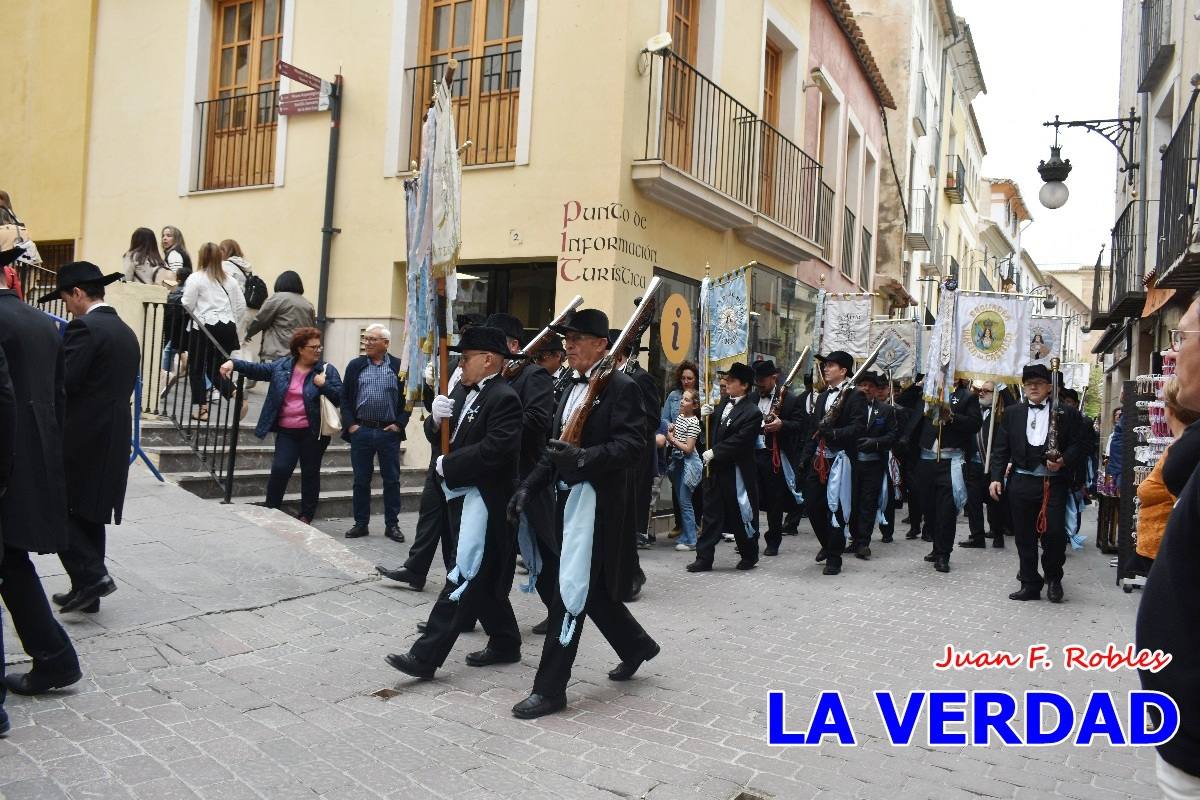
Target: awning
{"type": "Point", "coordinates": [1110, 338]}
{"type": "Point", "coordinates": [1156, 299]}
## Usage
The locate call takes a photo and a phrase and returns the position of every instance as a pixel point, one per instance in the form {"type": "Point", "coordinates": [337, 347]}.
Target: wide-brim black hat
{"type": "Point", "coordinates": [1035, 372]}
{"type": "Point", "coordinates": [551, 344]}
{"type": "Point", "coordinates": [75, 274]}
{"type": "Point", "coordinates": [590, 321]}
{"type": "Point", "coordinates": [511, 326]}
{"type": "Point", "coordinates": [839, 357]}
{"type": "Point", "coordinates": [484, 338]}
{"type": "Point", "coordinates": [739, 372]}
{"type": "Point", "coordinates": [765, 369]}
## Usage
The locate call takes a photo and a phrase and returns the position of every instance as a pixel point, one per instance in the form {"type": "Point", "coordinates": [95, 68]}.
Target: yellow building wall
{"type": "Point", "coordinates": [45, 104]}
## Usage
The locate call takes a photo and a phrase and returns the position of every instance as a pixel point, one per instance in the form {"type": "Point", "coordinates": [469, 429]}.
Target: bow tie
{"type": "Point", "coordinates": [579, 379]}
{"type": "Point", "coordinates": [1038, 406]}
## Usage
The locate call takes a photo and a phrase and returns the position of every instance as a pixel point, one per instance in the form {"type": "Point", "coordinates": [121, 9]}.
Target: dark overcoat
{"type": "Point", "coordinates": [535, 387]}
{"type": "Point", "coordinates": [733, 444]}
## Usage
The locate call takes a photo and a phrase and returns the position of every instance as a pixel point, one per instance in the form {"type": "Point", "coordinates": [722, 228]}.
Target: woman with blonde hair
{"type": "Point", "coordinates": [1155, 498]}
{"type": "Point", "coordinates": [215, 301]}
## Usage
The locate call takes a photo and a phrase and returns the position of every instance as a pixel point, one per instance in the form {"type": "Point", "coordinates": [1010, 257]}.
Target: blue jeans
{"type": "Point", "coordinates": [294, 445]}
{"type": "Point", "coordinates": [683, 501]}
{"type": "Point", "coordinates": [365, 445]}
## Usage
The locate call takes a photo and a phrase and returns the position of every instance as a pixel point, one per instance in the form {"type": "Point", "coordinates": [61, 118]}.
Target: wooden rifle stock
{"type": "Point", "coordinates": [777, 403]}
{"type": "Point", "coordinates": [520, 360]}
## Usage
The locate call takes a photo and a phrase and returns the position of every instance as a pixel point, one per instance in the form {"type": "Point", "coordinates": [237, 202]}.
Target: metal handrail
{"type": "Point", "coordinates": [1123, 255]}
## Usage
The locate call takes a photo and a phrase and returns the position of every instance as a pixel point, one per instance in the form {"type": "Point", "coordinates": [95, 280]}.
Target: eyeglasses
{"type": "Point", "coordinates": [312, 347]}
{"type": "Point", "coordinates": [985, 391]}
{"type": "Point", "coordinates": [373, 339]}
{"type": "Point", "coordinates": [1179, 337]}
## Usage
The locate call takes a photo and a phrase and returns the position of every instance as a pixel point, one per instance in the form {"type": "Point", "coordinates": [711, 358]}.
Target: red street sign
{"type": "Point", "coordinates": [299, 75]}
{"type": "Point", "coordinates": [303, 102]}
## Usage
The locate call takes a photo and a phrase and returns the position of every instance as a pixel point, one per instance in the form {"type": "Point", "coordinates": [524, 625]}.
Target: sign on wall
{"type": "Point", "coordinates": [675, 328]}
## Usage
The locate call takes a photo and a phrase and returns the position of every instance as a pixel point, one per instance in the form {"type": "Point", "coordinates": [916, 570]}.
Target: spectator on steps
{"type": "Point", "coordinates": [283, 313]}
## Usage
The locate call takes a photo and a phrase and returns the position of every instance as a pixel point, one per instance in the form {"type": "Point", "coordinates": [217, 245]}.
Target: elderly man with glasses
{"type": "Point", "coordinates": [373, 421]}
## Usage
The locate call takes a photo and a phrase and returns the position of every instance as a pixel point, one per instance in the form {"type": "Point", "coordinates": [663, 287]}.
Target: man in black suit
{"type": "Point", "coordinates": [871, 463]}
{"type": "Point", "coordinates": [911, 399]}
{"type": "Point", "coordinates": [643, 477]}
{"type": "Point", "coordinates": [804, 408]}
{"type": "Point", "coordinates": [598, 554]}
{"type": "Point", "coordinates": [780, 439]}
{"type": "Point", "coordinates": [991, 406]}
{"type": "Point", "coordinates": [33, 511]}
{"type": "Point", "coordinates": [100, 356]}
{"type": "Point", "coordinates": [8, 433]}
{"type": "Point", "coordinates": [485, 419]}
{"type": "Point", "coordinates": [944, 450]}
{"type": "Point", "coordinates": [1039, 477]}
{"type": "Point", "coordinates": [894, 474]}
{"type": "Point", "coordinates": [729, 458]}
{"type": "Point", "coordinates": [834, 433]}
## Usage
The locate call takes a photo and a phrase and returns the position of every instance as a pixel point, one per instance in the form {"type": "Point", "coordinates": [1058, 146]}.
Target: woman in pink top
{"type": "Point", "coordinates": [292, 411]}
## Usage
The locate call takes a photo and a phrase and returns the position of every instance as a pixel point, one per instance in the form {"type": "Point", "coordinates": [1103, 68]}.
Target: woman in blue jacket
{"type": "Point", "coordinates": [292, 410]}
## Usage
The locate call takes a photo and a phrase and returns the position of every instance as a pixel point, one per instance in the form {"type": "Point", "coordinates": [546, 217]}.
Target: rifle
{"type": "Point", "coordinates": [777, 404]}
{"type": "Point", "coordinates": [572, 432]}
{"type": "Point", "coordinates": [832, 412]}
{"type": "Point", "coordinates": [520, 360]}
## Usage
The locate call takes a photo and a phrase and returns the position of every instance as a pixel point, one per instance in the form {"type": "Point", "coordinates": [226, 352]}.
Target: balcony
{"type": "Point", "coordinates": [1178, 252]}
{"type": "Point", "coordinates": [1157, 49]}
{"type": "Point", "coordinates": [710, 157]}
{"type": "Point", "coordinates": [956, 179]}
{"type": "Point", "coordinates": [864, 260]}
{"type": "Point", "coordinates": [848, 232]}
{"type": "Point", "coordinates": [825, 220]}
{"type": "Point", "coordinates": [236, 142]}
{"type": "Point", "coordinates": [920, 99]}
{"type": "Point", "coordinates": [1101, 301]}
{"type": "Point", "coordinates": [919, 235]}
{"type": "Point", "coordinates": [485, 94]}
{"type": "Point", "coordinates": [954, 269]}
{"type": "Point", "coordinates": [1127, 265]}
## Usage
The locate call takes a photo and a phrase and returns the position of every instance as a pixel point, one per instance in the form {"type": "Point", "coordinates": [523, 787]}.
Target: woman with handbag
{"type": "Point", "coordinates": [215, 301]}
{"type": "Point", "coordinates": [142, 261]}
{"type": "Point", "coordinates": [303, 395]}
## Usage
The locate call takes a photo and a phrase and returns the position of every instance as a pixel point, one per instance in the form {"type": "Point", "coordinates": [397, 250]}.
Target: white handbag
{"type": "Point", "coordinates": [331, 418]}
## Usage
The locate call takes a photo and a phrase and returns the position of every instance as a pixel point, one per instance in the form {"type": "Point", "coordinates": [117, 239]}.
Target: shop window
{"type": "Point", "coordinates": [523, 290]}
{"type": "Point", "coordinates": [782, 314]}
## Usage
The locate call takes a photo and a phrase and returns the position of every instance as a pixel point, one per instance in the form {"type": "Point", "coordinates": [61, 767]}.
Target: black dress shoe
{"type": "Point", "coordinates": [62, 598]}
{"type": "Point", "coordinates": [1054, 592]}
{"type": "Point", "coordinates": [931, 557]}
{"type": "Point", "coordinates": [4, 723]}
{"type": "Point", "coordinates": [424, 626]}
{"type": "Point", "coordinates": [973, 543]}
{"type": "Point", "coordinates": [913, 535]}
{"type": "Point", "coordinates": [998, 542]}
{"type": "Point", "coordinates": [790, 531]}
{"type": "Point", "coordinates": [624, 671]}
{"type": "Point", "coordinates": [699, 566]}
{"type": "Point", "coordinates": [821, 555]}
{"type": "Point", "coordinates": [401, 575]}
{"type": "Point", "coordinates": [942, 564]}
{"type": "Point", "coordinates": [771, 551]}
{"type": "Point", "coordinates": [1026, 593]}
{"type": "Point", "coordinates": [411, 665]}
{"type": "Point", "coordinates": [89, 594]}
{"type": "Point", "coordinates": [542, 627]}
{"type": "Point", "coordinates": [926, 537]}
{"type": "Point", "coordinates": [745, 564]}
{"type": "Point", "coordinates": [886, 539]}
{"type": "Point", "coordinates": [357, 532]}
{"type": "Point", "coordinates": [864, 553]}
{"type": "Point", "coordinates": [31, 683]}
{"type": "Point", "coordinates": [394, 533]}
{"type": "Point", "coordinates": [831, 569]}
{"type": "Point", "coordinates": [488, 656]}
{"type": "Point", "coordinates": [537, 705]}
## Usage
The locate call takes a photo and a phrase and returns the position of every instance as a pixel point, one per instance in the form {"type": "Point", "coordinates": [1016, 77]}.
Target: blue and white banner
{"type": "Point", "coordinates": [897, 358]}
{"type": "Point", "coordinates": [729, 317]}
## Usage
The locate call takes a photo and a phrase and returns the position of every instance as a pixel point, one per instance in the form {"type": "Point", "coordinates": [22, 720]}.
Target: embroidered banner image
{"type": "Point", "coordinates": [847, 325]}
{"type": "Point", "coordinates": [730, 332]}
{"type": "Point", "coordinates": [1045, 339]}
{"type": "Point", "coordinates": [898, 358]}
{"type": "Point", "coordinates": [993, 337]}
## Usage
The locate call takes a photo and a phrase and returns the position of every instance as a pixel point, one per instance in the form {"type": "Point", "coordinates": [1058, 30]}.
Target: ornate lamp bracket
{"type": "Point", "coordinates": [1119, 133]}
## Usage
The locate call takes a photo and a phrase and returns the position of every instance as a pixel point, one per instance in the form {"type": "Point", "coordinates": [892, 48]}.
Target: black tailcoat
{"type": "Point", "coordinates": [733, 445]}
{"type": "Point", "coordinates": [795, 421]}
{"type": "Point", "coordinates": [847, 427]}
{"type": "Point", "coordinates": [535, 387]}
{"type": "Point", "coordinates": [1011, 445]}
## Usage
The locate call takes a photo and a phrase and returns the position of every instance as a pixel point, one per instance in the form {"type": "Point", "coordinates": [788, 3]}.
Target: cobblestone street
{"type": "Point", "coordinates": [241, 656]}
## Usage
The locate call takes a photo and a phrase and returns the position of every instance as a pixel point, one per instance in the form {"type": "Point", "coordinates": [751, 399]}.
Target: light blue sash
{"type": "Point", "coordinates": [472, 532]}
{"type": "Point", "coordinates": [1073, 505]}
{"type": "Point", "coordinates": [881, 514]}
{"type": "Point", "coordinates": [744, 503]}
{"type": "Point", "coordinates": [958, 482]}
{"type": "Point", "coordinates": [527, 544]}
{"type": "Point", "coordinates": [575, 566]}
{"type": "Point", "coordinates": [839, 492]}
{"type": "Point", "coordinates": [789, 477]}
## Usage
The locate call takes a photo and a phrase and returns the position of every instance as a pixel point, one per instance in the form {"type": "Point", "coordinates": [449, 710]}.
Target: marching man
{"type": "Point", "coordinates": [780, 440]}
{"type": "Point", "coordinates": [871, 465]}
{"type": "Point", "coordinates": [942, 470]}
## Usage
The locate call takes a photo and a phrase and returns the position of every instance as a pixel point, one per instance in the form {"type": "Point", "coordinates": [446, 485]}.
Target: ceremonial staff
{"type": "Point", "coordinates": [443, 310]}
{"type": "Point", "coordinates": [705, 337]}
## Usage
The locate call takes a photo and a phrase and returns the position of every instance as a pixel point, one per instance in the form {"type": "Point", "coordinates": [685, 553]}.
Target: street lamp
{"type": "Point", "coordinates": [1118, 132]}
{"type": "Point", "coordinates": [1049, 301]}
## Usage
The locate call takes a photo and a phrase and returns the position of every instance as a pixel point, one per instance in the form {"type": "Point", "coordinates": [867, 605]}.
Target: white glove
{"type": "Point", "coordinates": [437, 465]}
{"type": "Point", "coordinates": [429, 374]}
{"type": "Point", "coordinates": [442, 408]}
{"type": "Point", "coordinates": [706, 410]}
{"type": "Point", "coordinates": [707, 455]}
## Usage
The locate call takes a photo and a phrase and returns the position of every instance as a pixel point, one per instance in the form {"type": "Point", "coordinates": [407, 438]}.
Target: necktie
{"type": "Point", "coordinates": [577, 378]}
{"type": "Point", "coordinates": [1038, 406]}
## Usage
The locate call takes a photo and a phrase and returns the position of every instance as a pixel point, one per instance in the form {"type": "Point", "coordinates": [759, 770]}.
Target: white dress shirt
{"type": "Point", "coordinates": [733, 401]}
{"type": "Point", "coordinates": [1037, 425]}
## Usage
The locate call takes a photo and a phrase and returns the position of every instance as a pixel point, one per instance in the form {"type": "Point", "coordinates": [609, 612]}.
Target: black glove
{"type": "Point", "coordinates": [9, 256]}
{"type": "Point", "coordinates": [825, 431]}
{"type": "Point", "coordinates": [868, 445]}
{"type": "Point", "coordinates": [516, 505]}
{"type": "Point", "coordinates": [564, 456]}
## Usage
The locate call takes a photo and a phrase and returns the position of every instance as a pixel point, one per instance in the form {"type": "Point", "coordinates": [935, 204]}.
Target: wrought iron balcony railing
{"type": "Point", "coordinates": [848, 233]}
{"type": "Point", "coordinates": [919, 235]}
{"type": "Point", "coordinates": [1178, 257]}
{"type": "Point", "coordinates": [788, 179]}
{"type": "Point", "coordinates": [956, 179]}
{"type": "Point", "coordinates": [825, 219]}
{"type": "Point", "coordinates": [1127, 265]}
{"type": "Point", "coordinates": [236, 143]}
{"type": "Point", "coordinates": [864, 259]}
{"type": "Point", "coordinates": [1157, 48]}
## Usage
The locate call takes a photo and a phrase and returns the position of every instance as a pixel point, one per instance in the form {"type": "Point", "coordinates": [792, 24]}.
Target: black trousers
{"type": "Point", "coordinates": [723, 515]}
{"type": "Point", "coordinates": [84, 558]}
{"type": "Point", "coordinates": [977, 491]}
{"type": "Point", "coordinates": [916, 494]}
{"type": "Point", "coordinates": [41, 636]}
{"type": "Point", "coordinates": [888, 528]}
{"type": "Point", "coordinates": [831, 537]}
{"type": "Point", "coordinates": [774, 496]}
{"type": "Point", "coordinates": [432, 527]}
{"type": "Point", "coordinates": [292, 446]}
{"type": "Point", "coordinates": [614, 621]}
{"type": "Point", "coordinates": [205, 361]}
{"type": "Point", "coordinates": [1025, 500]}
{"type": "Point", "coordinates": [868, 477]}
{"type": "Point", "coordinates": [939, 511]}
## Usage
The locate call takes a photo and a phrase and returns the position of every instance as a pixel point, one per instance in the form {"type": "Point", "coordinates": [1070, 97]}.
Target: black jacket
{"type": "Point", "coordinates": [732, 441]}
{"type": "Point", "coordinates": [651, 397]}
{"type": "Point", "coordinates": [612, 442]}
{"type": "Point", "coordinates": [535, 388]}
{"type": "Point", "coordinates": [8, 428]}
{"type": "Point", "coordinates": [100, 355]}
{"type": "Point", "coordinates": [847, 426]}
{"type": "Point", "coordinates": [959, 432]}
{"type": "Point", "coordinates": [882, 428]}
{"type": "Point", "coordinates": [1011, 446]}
{"type": "Point", "coordinates": [349, 406]}
{"type": "Point", "coordinates": [795, 420]}
{"type": "Point", "coordinates": [33, 514]}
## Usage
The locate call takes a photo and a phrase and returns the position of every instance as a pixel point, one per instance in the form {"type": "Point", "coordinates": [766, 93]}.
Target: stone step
{"type": "Point", "coordinates": [158, 434]}
{"type": "Point", "coordinates": [181, 458]}
{"type": "Point", "coordinates": [340, 503]}
{"type": "Point", "coordinates": [253, 482]}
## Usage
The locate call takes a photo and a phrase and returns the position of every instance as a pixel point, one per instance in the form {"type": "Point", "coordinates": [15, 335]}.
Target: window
{"type": "Point", "coordinates": [484, 36]}
{"type": "Point", "coordinates": [238, 121]}
{"type": "Point", "coordinates": [781, 322]}
{"type": "Point", "coordinates": [772, 63]}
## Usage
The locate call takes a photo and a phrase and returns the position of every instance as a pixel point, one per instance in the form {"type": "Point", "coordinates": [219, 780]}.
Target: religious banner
{"type": "Point", "coordinates": [940, 359]}
{"type": "Point", "coordinates": [993, 336]}
{"type": "Point", "coordinates": [897, 358]}
{"type": "Point", "coordinates": [847, 325]}
{"type": "Point", "coordinates": [1045, 339]}
{"type": "Point", "coordinates": [729, 317]}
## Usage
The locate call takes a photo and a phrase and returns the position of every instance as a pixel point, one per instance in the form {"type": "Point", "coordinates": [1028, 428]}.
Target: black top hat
{"type": "Point", "coordinates": [873, 378]}
{"type": "Point", "coordinates": [75, 274]}
{"type": "Point", "coordinates": [591, 321]}
{"type": "Point", "coordinates": [511, 326]}
{"type": "Point", "coordinates": [485, 338]}
{"type": "Point", "coordinates": [839, 357]}
{"type": "Point", "coordinates": [765, 369]}
{"type": "Point", "coordinates": [1069, 394]}
{"type": "Point", "coordinates": [551, 344]}
{"type": "Point", "coordinates": [1035, 372]}
{"type": "Point", "coordinates": [739, 372]}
